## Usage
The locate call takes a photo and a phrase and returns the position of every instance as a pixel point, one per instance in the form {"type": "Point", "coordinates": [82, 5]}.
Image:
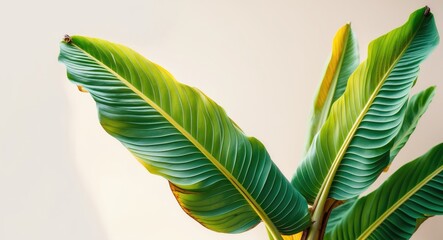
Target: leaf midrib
{"type": "Point", "coordinates": [254, 205]}
{"type": "Point", "coordinates": [398, 203]}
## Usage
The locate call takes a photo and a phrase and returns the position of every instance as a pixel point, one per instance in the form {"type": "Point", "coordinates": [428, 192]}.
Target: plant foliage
{"type": "Point", "coordinates": [362, 117]}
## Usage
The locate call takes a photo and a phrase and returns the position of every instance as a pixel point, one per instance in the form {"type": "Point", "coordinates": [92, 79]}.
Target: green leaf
{"type": "Point", "coordinates": [344, 59]}
{"type": "Point", "coordinates": [393, 211]}
{"type": "Point", "coordinates": [352, 147]}
{"type": "Point", "coordinates": [220, 177]}
{"type": "Point", "coordinates": [416, 107]}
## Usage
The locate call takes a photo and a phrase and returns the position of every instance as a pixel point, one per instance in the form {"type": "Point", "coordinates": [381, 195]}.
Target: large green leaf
{"type": "Point", "coordinates": [352, 147]}
{"type": "Point", "coordinates": [416, 107]}
{"type": "Point", "coordinates": [344, 59]}
{"type": "Point", "coordinates": [393, 211]}
{"type": "Point", "coordinates": [220, 177]}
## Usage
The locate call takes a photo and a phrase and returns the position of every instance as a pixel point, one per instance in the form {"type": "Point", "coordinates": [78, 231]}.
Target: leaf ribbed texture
{"type": "Point", "coordinates": [416, 107]}
{"type": "Point", "coordinates": [411, 194]}
{"type": "Point", "coordinates": [352, 147]}
{"type": "Point", "coordinates": [344, 60]}
{"type": "Point", "coordinates": [220, 177]}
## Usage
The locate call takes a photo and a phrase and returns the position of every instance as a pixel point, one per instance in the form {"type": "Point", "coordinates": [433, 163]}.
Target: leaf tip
{"type": "Point", "coordinates": [427, 11]}
{"type": "Point", "coordinates": [67, 38]}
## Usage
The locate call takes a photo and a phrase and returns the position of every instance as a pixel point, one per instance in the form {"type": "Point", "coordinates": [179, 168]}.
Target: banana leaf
{"type": "Point", "coordinates": [344, 60]}
{"type": "Point", "coordinates": [416, 107]}
{"type": "Point", "coordinates": [222, 178]}
{"type": "Point", "coordinates": [395, 210]}
{"type": "Point", "coordinates": [352, 148]}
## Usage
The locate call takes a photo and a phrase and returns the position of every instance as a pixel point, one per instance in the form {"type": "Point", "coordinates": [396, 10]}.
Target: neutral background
{"type": "Point", "coordinates": [63, 177]}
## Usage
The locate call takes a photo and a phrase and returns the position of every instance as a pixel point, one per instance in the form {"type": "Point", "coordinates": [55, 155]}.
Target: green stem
{"type": "Point", "coordinates": [317, 217]}
{"type": "Point", "coordinates": [273, 233]}
{"type": "Point", "coordinates": [319, 205]}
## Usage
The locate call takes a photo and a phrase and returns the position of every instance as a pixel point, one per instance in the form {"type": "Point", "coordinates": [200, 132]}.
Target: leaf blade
{"type": "Point", "coordinates": [179, 133]}
{"type": "Point", "coordinates": [344, 60]}
{"type": "Point", "coordinates": [393, 210]}
{"type": "Point", "coordinates": [416, 107]}
{"type": "Point", "coordinates": [351, 148]}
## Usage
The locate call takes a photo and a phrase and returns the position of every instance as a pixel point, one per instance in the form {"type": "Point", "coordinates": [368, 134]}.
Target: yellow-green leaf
{"type": "Point", "coordinates": [344, 59]}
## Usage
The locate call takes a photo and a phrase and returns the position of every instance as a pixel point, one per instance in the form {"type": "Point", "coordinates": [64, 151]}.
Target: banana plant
{"type": "Point", "coordinates": [362, 117]}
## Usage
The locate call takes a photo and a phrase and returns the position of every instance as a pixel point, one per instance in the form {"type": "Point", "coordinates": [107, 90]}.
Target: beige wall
{"type": "Point", "coordinates": [63, 177]}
